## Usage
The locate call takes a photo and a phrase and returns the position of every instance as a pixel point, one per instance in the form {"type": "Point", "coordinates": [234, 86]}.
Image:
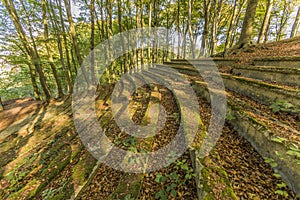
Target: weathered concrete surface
{"type": "Point", "coordinates": [284, 62]}
{"type": "Point", "coordinates": [278, 75]}
{"type": "Point", "coordinates": [257, 90]}
{"type": "Point", "coordinates": [260, 91]}
{"type": "Point", "coordinates": [206, 61]}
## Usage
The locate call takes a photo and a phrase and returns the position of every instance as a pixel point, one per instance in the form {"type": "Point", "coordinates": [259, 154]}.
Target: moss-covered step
{"type": "Point", "coordinates": [283, 154]}
{"type": "Point", "coordinates": [274, 74]}
{"type": "Point", "coordinates": [211, 179]}
{"type": "Point", "coordinates": [260, 91]}
{"type": "Point", "coordinates": [284, 62]}
{"type": "Point", "coordinates": [218, 61]}
{"type": "Point", "coordinates": [255, 89]}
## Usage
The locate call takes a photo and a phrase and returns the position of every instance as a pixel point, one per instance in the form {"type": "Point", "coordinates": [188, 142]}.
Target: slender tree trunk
{"type": "Point", "coordinates": [64, 34]}
{"type": "Point", "coordinates": [92, 40]}
{"type": "Point", "coordinates": [215, 23]}
{"type": "Point", "coordinates": [245, 38]}
{"type": "Point", "coordinates": [206, 10]}
{"type": "Point", "coordinates": [75, 42]}
{"type": "Point", "coordinates": [283, 21]}
{"type": "Point", "coordinates": [67, 73]}
{"type": "Point", "coordinates": [142, 32]}
{"type": "Point", "coordinates": [149, 26]}
{"type": "Point", "coordinates": [32, 72]}
{"type": "Point", "coordinates": [49, 53]}
{"type": "Point", "coordinates": [178, 28]}
{"type": "Point", "coordinates": [265, 24]}
{"type": "Point", "coordinates": [235, 24]}
{"type": "Point", "coordinates": [296, 24]}
{"type": "Point", "coordinates": [190, 28]}
{"type": "Point", "coordinates": [34, 58]}
{"type": "Point", "coordinates": [230, 28]}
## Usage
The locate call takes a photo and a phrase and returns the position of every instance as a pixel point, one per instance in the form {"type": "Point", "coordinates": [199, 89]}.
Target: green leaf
{"type": "Point", "coordinates": [293, 153]}
{"type": "Point", "coordinates": [281, 185]}
{"type": "Point", "coordinates": [282, 193]}
{"type": "Point", "coordinates": [160, 178]}
{"type": "Point", "coordinates": [277, 175]}
{"type": "Point", "coordinates": [172, 186]}
{"type": "Point", "coordinates": [278, 139]}
{"type": "Point", "coordinates": [174, 193]}
{"type": "Point", "coordinates": [173, 176]}
{"type": "Point", "coordinates": [161, 195]}
{"type": "Point", "coordinates": [273, 164]}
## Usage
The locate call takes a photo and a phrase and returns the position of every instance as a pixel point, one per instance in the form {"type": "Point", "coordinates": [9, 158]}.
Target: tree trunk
{"type": "Point", "coordinates": [245, 38]}
{"type": "Point", "coordinates": [230, 28]}
{"type": "Point", "coordinates": [178, 29]}
{"type": "Point", "coordinates": [206, 10]}
{"type": "Point", "coordinates": [215, 24]}
{"type": "Point", "coordinates": [283, 21]}
{"type": "Point", "coordinates": [75, 42]}
{"type": "Point", "coordinates": [296, 24]}
{"type": "Point", "coordinates": [49, 53]}
{"type": "Point", "coordinates": [149, 26]}
{"type": "Point", "coordinates": [265, 22]}
{"type": "Point", "coordinates": [92, 41]}
{"type": "Point", "coordinates": [190, 28]}
{"type": "Point", "coordinates": [142, 32]}
{"type": "Point", "coordinates": [59, 4]}
{"type": "Point", "coordinates": [34, 58]}
{"type": "Point", "coordinates": [67, 71]}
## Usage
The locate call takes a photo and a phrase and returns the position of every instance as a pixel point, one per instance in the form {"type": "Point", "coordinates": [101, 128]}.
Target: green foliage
{"type": "Point", "coordinates": [282, 193]}
{"type": "Point", "coordinates": [128, 197]}
{"type": "Point", "coordinates": [283, 106]}
{"type": "Point", "coordinates": [173, 180]}
{"type": "Point", "coordinates": [271, 162]}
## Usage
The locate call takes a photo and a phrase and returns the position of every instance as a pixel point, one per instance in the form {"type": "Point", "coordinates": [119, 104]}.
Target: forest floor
{"type": "Point", "coordinates": [284, 48]}
{"type": "Point", "coordinates": [27, 163]}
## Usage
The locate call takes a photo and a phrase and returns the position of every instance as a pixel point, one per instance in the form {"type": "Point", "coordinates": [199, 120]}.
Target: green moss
{"type": "Point", "coordinates": [128, 184]}
{"type": "Point", "coordinates": [83, 168]}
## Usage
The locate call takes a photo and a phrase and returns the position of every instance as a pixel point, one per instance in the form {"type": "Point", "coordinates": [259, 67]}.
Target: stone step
{"type": "Point", "coordinates": [218, 61]}
{"type": "Point", "coordinates": [284, 62]}
{"type": "Point", "coordinates": [284, 76]}
{"type": "Point", "coordinates": [255, 89]}
{"type": "Point", "coordinates": [262, 138]}
{"type": "Point", "coordinates": [202, 166]}
{"type": "Point", "coordinates": [257, 132]}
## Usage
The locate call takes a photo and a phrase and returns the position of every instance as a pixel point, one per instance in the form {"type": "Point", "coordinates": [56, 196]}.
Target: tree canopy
{"type": "Point", "coordinates": [44, 42]}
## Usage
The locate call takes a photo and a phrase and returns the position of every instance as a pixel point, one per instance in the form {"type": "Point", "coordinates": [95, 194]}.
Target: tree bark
{"type": "Point", "coordinates": [67, 71]}
{"type": "Point", "coordinates": [230, 28]}
{"type": "Point", "coordinates": [75, 42]}
{"type": "Point", "coordinates": [206, 11]}
{"type": "Point", "coordinates": [34, 58]}
{"type": "Point", "coordinates": [92, 41]}
{"type": "Point", "coordinates": [49, 53]}
{"type": "Point", "coordinates": [245, 38]}
{"type": "Point", "coordinates": [296, 24]}
{"type": "Point", "coordinates": [190, 28]}
{"type": "Point", "coordinates": [59, 4]}
{"type": "Point", "coordinates": [265, 22]}
{"type": "Point", "coordinates": [215, 23]}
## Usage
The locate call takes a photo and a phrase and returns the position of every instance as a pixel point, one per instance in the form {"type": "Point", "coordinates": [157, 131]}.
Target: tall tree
{"type": "Point", "coordinates": [75, 41]}
{"type": "Point", "coordinates": [296, 24]}
{"type": "Point", "coordinates": [92, 40]}
{"type": "Point", "coordinates": [206, 12]}
{"type": "Point", "coordinates": [230, 28]}
{"type": "Point", "coordinates": [34, 58]}
{"type": "Point", "coordinates": [265, 23]}
{"type": "Point", "coordinates": [49, 53]}
{"type": "Point", "coordinates": [245, 38]}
